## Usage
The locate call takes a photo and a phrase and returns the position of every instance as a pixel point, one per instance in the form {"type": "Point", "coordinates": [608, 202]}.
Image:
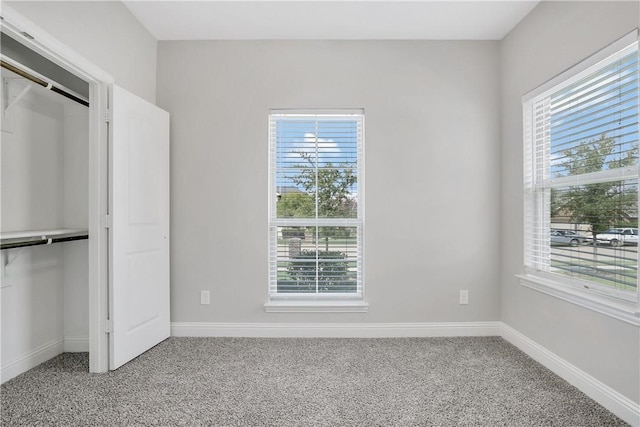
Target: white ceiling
{"type": "Point", "coordinates": [329, 19]}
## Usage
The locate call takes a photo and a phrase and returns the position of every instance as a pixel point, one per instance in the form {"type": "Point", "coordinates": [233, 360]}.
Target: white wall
{"type": "Point", "coordinates": [32, 282]}
{"type": "Point", "coordinates": [33, 131]}
{"type": "Point", "coordinates": [432, 171]}
{"type": "Point", "coordinates": [44, 291]}
{"type": "Point", "coordinates": [105, 33]}
{"type": "Point", "coordinates": [76, 215]}
{"type": "Point", "coordinates": [552, 38]}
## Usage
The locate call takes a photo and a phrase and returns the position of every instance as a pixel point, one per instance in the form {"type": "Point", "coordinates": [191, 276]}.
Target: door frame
{"type": "Point", "coordinates": [99, 81]}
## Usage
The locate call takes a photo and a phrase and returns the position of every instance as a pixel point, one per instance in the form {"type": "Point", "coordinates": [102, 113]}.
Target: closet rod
{"type": "Point", "coordinates": [22, 244]}
{"type": "Point", "coordinates": [43, 83]}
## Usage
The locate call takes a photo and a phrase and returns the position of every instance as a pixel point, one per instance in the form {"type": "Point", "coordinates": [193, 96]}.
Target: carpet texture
{"type": "Point", "coordinates": [304, 382]}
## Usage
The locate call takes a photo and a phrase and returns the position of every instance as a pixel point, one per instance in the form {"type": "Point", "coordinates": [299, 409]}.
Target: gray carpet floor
{"type": "Point", "coordinates": [482, 381]}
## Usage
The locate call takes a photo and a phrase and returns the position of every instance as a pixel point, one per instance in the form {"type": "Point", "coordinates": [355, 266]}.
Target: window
{"type": "Point", "coordinates": [581, 177]}
{"type": "Point", "coordinates": [316, 209]}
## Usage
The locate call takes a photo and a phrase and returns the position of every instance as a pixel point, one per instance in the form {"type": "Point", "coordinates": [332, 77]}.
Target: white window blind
{"type": "Point", "coordinates": [581, 174]}
{"type": "Point", "coordinates": [316, 205]}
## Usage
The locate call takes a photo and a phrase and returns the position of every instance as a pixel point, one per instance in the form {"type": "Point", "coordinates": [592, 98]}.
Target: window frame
{"type": "Point", "coordinates": [315, 302]}
{"type": "Point", "coordinates": [622, 305]}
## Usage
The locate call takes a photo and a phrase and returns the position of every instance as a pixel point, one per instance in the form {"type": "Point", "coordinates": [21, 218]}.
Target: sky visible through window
{"type": "Point", "coordinates": [311, 143]}
{"type": "Point", "coordinates": [604, 105]}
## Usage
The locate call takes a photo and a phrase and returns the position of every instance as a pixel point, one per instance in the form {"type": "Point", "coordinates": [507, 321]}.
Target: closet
{"type": "Point", "coordinates": [43, 211]}
{"type": "Point", "coordinates": [84, 209]}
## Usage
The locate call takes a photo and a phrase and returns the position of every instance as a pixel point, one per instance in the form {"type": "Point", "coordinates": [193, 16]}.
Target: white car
{"type": "Point", "coordinates": [619, 236]}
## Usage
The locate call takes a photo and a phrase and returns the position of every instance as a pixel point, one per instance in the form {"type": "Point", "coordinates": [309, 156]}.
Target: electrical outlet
{"type": "Point", "coordinates": [464, 297]}
{"type": "Point", "coordinates": [205, 298]}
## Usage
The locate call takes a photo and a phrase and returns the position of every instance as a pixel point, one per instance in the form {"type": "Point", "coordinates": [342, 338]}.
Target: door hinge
{"type": "Point", "coordinates": [107, 221]}
{"type": "Point", "coordinates": [108, 326]}
{"type": "Point", "coordinates": [108, 116]}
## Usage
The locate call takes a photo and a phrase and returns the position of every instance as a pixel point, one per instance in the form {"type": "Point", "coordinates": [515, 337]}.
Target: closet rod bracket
{"type": "Point", "coordinates": [25, 91]}
{"type": "Point", "coordinates": [7, 260]}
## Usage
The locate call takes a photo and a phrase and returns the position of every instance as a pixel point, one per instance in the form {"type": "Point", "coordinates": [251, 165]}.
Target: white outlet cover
{"type": "Point", "coordinates": [205, 297]}
{"type": "Point", "coordinates": [464, 297]}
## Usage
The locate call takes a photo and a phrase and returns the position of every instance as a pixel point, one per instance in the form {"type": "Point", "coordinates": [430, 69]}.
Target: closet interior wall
{"type": "Point", "coordinates": [44, 181]}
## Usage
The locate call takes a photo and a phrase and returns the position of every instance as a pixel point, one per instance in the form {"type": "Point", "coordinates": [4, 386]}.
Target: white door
{"type": "Point", "coordinates": [139, 234]}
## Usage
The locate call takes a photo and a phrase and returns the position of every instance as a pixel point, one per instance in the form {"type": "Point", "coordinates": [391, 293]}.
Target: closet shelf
{"type": "Point", "coordinates": [20, 239]}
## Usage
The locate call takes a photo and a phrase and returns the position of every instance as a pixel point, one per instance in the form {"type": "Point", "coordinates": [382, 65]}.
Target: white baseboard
{"type": "Point", "coordinates": [335, 330]}
{"type": "Point", "coordinates": [76, 344]}
{"type": "Point", "coordinates": [31, 359]}
{"type": "Point", "coordinates": [615, 402]}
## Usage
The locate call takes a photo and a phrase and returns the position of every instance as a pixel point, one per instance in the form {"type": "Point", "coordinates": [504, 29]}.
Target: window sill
{"type": "Point", "coordinates": [288, 306]}
{"type": "Point", "coordinates": [618, 309]}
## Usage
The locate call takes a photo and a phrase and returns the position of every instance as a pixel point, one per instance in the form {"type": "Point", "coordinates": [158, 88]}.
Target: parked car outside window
{"type": "Point", "coordinates": [619, 236]}
{"type": "Point", "coordinates": [566, 237]}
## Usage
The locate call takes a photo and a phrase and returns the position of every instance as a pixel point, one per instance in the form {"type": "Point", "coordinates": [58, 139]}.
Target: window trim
{"type": "Point", "coordinates": [620, 305]}
{"type": "Point", "coordinates": [577, 71]}
{"type": "Point", "coordinates": [588, 298]}
{"type": "Point", "coordinates": [316, 306]}
{"type": "Point", "coordinates": [331, 303]}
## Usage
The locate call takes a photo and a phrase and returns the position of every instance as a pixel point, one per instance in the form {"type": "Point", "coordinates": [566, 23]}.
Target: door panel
{"type": "Point", "coordinates": [139, 235]}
